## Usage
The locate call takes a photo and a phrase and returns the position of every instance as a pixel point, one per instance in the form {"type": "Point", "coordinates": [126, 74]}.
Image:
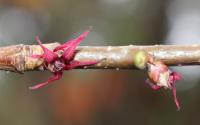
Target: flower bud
{"type": "Point", "coordinates": [161, 76]}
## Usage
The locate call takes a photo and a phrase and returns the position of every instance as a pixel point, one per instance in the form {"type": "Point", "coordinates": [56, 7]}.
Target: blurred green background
{"type": "Point", "coordinates": [98, 97]}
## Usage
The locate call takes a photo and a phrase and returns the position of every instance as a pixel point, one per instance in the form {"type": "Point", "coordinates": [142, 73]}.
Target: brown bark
{"type": "Point", "coordinates": [18, 57]}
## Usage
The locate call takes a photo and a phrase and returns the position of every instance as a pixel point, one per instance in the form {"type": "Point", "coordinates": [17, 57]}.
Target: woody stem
{"type": "Point", "coordinates": [18, 57]}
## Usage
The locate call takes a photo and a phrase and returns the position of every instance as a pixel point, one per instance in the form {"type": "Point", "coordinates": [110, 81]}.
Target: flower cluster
{"type": "Point", "coordinates": [61, 58]}
{"type": "Point", "coordinates": [160, 76]}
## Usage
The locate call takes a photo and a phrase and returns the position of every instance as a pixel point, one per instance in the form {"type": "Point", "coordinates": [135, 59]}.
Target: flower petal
{"type": "Point", "coordinates": [175, 76]}
{"type": "Point", "coordinates": [69, 53]}
{"type": "Point", "coordinates": [64, 46]}
{"type": "Point", "coordinates": [55, 76]}
{"type": "Point", "coordinates": [70, 47]}
{"type": "Point", "coordinates": [175, 98]}
{"type": "Point", "coordinates": [73, 42]}
{"type": "Point", "coordinates": [48, 55]}
{"type": "Point", "coordinates": [153, 86]}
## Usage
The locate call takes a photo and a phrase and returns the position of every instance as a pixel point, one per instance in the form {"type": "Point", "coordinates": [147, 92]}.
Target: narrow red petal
{"type": "Point", "coordinates": [64, 46]}
{"type": "Point", "coordinates": [69, 53]}
{"type": "Point", "coordinates": [48, 55]}
{"type": "Point", "coordinates": [175, 98]}
{"type": "Point", "coordinates": [153, 86]}
{"type": "Point", "coordinates": [55, 76]}
{"type": "Point", "coordinates": [70, 47]}
{"type": "Point", "coordinates": [176, 76]}
{"type": "Point", "coordinates": [74, 64]}
{"type": "Point", "coordinates": [72, 43]}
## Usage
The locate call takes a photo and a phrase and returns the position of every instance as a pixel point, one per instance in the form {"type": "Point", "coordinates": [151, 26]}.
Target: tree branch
{"type": "Point", "coordinates": [18, 57]}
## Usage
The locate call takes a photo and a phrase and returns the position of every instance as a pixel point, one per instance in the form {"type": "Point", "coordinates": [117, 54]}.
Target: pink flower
{"type": "Point", "coordinates": [160, 76]}
{"type": "Point", "coordinates": [61, 58]}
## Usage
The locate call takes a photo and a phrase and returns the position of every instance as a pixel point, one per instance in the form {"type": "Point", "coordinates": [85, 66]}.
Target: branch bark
{"type": "Point", "coordinates": [18, 58]}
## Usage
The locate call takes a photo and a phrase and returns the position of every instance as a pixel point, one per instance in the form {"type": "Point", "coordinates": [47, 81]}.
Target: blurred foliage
{"type": "Point", "coordinates": [85, 97]}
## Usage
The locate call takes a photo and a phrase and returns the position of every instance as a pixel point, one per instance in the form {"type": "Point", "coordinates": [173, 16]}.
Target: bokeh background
{"type": "Point", "coordinates": [99, 97]}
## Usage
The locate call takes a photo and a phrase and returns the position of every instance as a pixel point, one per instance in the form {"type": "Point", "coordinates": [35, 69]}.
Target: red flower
{"type": "Point", "coordinates": [161, 76]}
{"type": "Point", "coordinates": [61, 58]}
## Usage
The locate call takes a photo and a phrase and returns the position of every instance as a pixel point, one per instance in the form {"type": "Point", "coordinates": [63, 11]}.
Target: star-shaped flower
{"type": "Point", "coordinates": [61, 58]}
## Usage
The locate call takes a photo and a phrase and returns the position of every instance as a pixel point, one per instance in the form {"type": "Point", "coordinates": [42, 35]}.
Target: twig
{"type": "Point", "coordinates": [18, 58]}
